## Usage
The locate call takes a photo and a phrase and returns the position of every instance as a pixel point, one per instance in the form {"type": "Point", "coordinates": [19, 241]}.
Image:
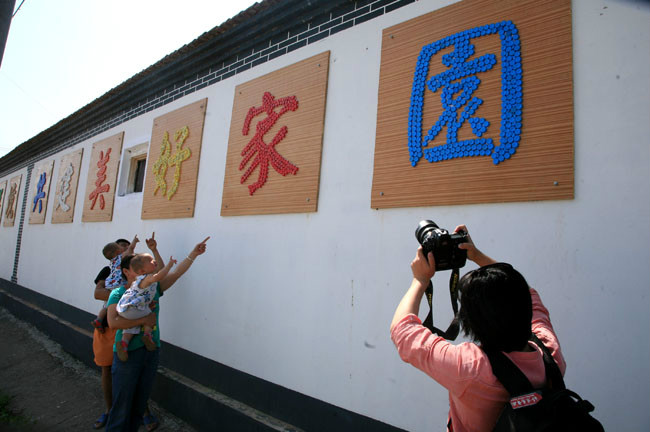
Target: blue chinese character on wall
{"type": "Point", "coordinates": [38, 198]}
{"type": "Point", "coordinates": [456, 87]}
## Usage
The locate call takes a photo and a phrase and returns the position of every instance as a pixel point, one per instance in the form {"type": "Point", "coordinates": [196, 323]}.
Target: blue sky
{"type": "Point", "coordinates": [61, 55]}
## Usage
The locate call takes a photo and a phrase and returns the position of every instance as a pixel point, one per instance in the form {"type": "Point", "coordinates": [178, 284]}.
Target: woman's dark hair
{"type": "Point", "coordinates": [126, 263]}
{"type": "Point", "coordinates": [495, 307]}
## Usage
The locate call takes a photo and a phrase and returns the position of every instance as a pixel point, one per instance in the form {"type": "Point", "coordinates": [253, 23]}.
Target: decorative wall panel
{"type": "Point", "coordinates": [476, 105]}
{"type": "Point", "coordinates": [13, 189]}
{"type": "Point", "coordinates": [40, 193]}
{"type": "Point", "coordinates": [276, 138]}
{"type": "Point", "coordinates": [66, 187]}
{"type": "Point", "coordinates": [102, 178]}
{"type": "Point", "coordinates": [173, 163]}
{"type": "Point", "coordinates": [3, 192]}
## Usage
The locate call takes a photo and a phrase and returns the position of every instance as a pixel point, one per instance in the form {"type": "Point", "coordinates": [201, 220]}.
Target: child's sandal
{"type": "Point", "coordinates": [98, 325]}
{"type": "Point", "coordinates": [101, 421]}
{"type": "Point", "coordinates": [150, 422]}
{"type": "Point", "coordinates": [149, 344]}
{"type": "Point", "coordinates": [122, 352]}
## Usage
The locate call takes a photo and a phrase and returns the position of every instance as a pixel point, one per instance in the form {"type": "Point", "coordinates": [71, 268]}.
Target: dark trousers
{"type": "Point", "coordinates": [132, 383]}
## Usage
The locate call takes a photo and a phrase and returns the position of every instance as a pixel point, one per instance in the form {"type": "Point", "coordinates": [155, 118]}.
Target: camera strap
{"type": "Point", "coordinates": [454, 328]}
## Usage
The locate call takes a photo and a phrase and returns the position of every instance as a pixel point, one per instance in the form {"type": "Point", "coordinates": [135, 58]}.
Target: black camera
{"type": "Point", "coordinates": [443, 245]}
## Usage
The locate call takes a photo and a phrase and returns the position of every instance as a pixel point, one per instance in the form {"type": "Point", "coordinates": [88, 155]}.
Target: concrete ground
{"type": "Point", "coordinates": [49, 390]}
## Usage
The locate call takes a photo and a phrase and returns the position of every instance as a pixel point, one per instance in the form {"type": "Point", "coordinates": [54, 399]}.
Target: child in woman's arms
{"type": "Point", "coordinates": [137, 300]}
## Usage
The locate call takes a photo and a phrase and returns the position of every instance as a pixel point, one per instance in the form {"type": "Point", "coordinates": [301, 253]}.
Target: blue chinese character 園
{"type": "Point", "coordinates": [456, 87]}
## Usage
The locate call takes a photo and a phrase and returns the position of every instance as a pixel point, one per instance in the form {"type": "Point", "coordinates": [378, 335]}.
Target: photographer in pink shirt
{"type": "Point", "coordinates": [498, 310]}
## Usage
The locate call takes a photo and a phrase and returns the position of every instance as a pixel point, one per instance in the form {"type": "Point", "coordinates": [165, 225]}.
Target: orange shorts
{"type": "Point", "coordinates": [103, 346]}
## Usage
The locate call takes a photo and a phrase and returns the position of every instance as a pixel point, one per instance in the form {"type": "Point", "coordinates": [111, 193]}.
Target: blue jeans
{"type": "Point", "coordinates": [132, 383]}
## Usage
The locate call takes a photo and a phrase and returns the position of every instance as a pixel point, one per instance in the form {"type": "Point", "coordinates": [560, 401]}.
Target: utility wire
{"type": "Point", "coordinates": [21, 3]}
{"type": "Point", "coordinates": [26, 93]}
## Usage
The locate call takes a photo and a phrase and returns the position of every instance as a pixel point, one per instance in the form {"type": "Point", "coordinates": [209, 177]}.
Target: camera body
{"type": "Point", "coordinates": [443, 245]}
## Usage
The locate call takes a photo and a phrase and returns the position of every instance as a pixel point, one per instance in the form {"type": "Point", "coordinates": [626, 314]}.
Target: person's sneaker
{"type": "Point", "coordinates": [122, 352]}
{"type": "Point", "coordinates": [148, 342]}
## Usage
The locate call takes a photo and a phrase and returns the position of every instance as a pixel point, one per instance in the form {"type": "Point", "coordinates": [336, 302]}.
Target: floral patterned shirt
{"type": "Point", "coordinates": [116, 278]}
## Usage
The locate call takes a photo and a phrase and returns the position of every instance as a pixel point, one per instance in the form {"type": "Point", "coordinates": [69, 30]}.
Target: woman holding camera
{"type": "Point", "coordinates": [499, 311]}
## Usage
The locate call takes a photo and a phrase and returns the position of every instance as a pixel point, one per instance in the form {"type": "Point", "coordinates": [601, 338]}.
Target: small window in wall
{"type": "Point", "coordinates": [138, 167]}
{"type": "Point", "coordinates": [139, 175]}
{"type": "Point", "coordinates": [135, 167]}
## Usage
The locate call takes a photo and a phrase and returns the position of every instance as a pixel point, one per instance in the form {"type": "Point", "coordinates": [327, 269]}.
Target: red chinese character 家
{"type": "Point", "coordinates": [263, 153]}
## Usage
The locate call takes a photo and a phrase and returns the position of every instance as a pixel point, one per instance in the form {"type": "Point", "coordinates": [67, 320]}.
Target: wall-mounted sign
{"type": "Point", "coordinates": [40, 185]}
{"type": "Point", "coordinates": [65, 194]}
{"type": "Point", "coordinates": [476, 105]}
{"type": "Point", "coordinates": [276, 137]}
{"type": "Point", "coordinates": [102, 177]}
{"type": "Point", "coordinates": [173, 163]}
{"type": "Point", "coordinates": [12, 200]}
{"type": "Point", "coordinates": [3, 192]}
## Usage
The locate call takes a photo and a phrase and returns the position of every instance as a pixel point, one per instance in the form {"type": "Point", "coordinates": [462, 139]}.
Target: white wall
{"type": "Point", "coordinates": [305, 300]}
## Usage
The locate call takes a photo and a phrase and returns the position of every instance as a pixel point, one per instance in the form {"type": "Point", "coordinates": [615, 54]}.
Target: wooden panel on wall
{"type": "Point", "coordinates": [40, 194]}
{"type": "Point", "coordinates": [276, 137]}
{"type": "Point", "coordinates": [173, 163]}
{"type": "Point", "coordinates": [67, 182]}
{"type": "Point", "coordinates": [102, 178]}
{"type": "Point", "coordinates": [476, 106]}
{"type": "Point", "coordinates": [11, 208]}
{"type": "Point", "coordinates": [3, 192]}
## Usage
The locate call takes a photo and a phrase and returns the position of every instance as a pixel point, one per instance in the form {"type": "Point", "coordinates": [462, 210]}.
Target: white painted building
{"type": "Point", "coordinates": [304, 301]}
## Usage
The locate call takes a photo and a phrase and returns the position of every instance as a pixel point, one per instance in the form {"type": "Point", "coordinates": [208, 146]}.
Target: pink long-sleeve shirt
{"type": "Point", "coordinates": [476, 398]}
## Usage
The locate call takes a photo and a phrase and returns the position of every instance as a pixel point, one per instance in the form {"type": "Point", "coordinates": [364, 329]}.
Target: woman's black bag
{"type": "Point", "coordinates": [552, 408]}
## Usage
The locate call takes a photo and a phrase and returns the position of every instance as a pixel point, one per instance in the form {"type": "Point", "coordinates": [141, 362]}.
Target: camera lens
{"type": "Point", "coordinates": [424, 227]}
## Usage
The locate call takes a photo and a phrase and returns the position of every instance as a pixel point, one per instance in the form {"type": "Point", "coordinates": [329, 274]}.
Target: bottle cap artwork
{"type": "Point", "coordinates": [474, 109]}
